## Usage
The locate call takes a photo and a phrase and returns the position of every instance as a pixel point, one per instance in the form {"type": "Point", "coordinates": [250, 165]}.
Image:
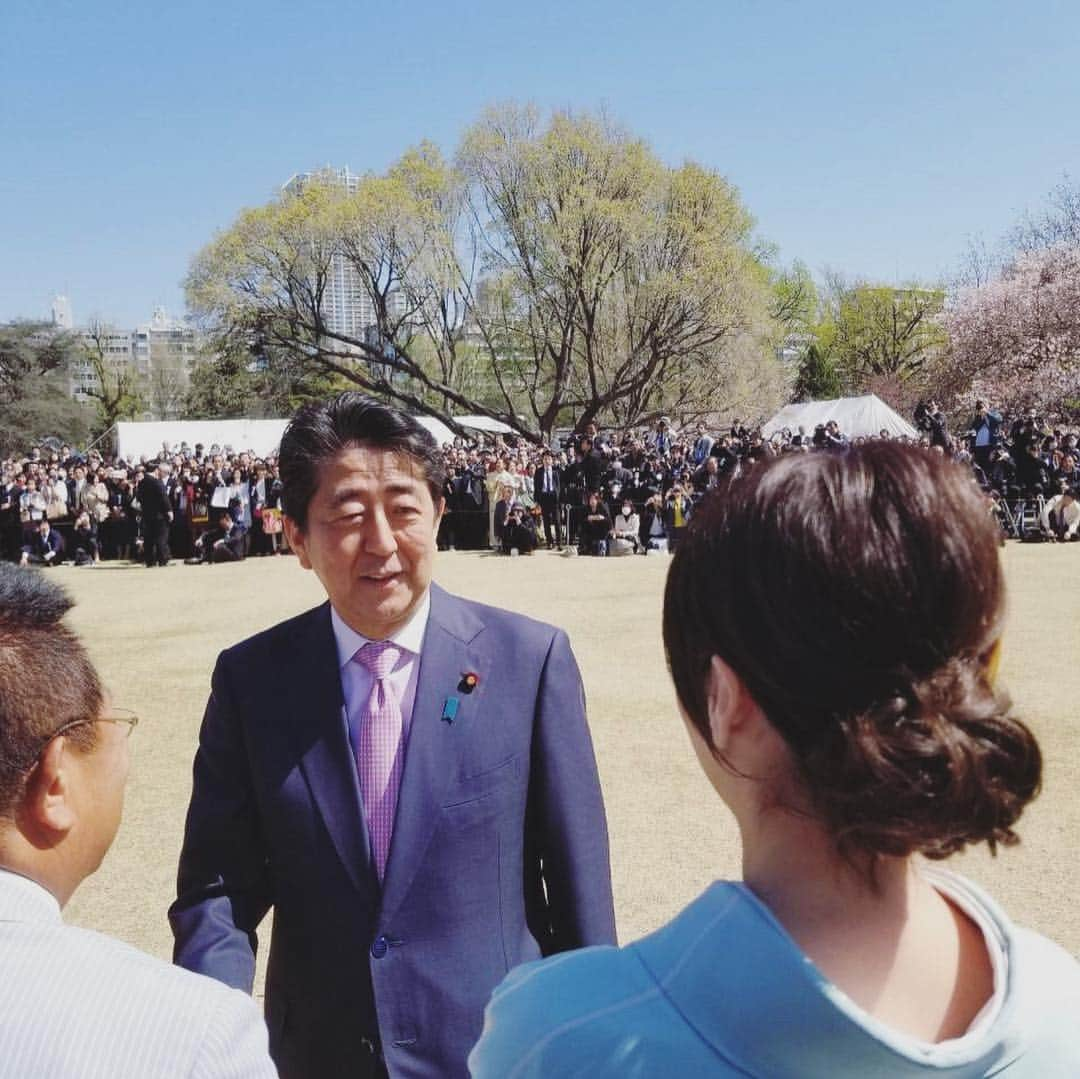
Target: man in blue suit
{"type": "Point", "coordinates": [406, 777]}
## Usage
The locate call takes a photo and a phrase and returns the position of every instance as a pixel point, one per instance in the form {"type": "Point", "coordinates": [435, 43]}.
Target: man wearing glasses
{"type": "Point", "coordinates": [73, 1002]}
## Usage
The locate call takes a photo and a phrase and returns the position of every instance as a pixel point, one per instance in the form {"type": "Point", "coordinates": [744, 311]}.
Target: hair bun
{"type": "Point", "coordinates": [941, 764]}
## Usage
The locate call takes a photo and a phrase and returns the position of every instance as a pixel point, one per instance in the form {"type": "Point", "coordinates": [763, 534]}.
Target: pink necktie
{"type": "Point", "coordinates": [380, 756]}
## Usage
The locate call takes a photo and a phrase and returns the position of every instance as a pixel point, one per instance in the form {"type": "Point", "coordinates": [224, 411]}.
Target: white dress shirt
{"type": "Point", "coordinates": [74, 1003]}
{"type": "Point", "coordinates": [1071, 513]}
{"type": "Point", "coordinates": [356, 680]}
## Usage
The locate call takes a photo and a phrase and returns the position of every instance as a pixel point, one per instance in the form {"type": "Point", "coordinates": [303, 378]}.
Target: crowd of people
{"type": "Point", "coordinates": [597, 493]}
{"type": "Point", "coordinates": [203, 505]}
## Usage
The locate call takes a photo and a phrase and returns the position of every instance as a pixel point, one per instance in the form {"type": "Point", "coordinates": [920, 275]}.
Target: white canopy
{"type": "Point", "coordinates": [855, 416]}
{"type": "Point", "coordinates": [436, 428]}
{"type": "Point", "coordinates": [260, 437]}
{"type": "Point", "coordinates": [484, 423]}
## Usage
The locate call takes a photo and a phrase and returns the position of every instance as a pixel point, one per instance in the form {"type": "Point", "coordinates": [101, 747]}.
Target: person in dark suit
{"type": "Point", "coordinates": [597, 528]}
{"type": "Point", "coordinates": [547, 494]}
{"type": "Point", "coordinates": [264, 495]}
{"type": "Point", "coordinates": [156, 516]}
{"type": "Point", "coordinates": [224, 542]}
{"type": "Point", "coordinates": [46, 547]}
{"type": "Point", "coordinates": [593, 465]}
{"type": "Point", "coordinates": [406, 777]}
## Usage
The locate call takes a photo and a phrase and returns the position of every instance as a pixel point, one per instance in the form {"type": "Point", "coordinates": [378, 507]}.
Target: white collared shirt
{"type": "Point", "coordinates": [25, 900]}
{"type": "Point", "coordinates": [356, 680]}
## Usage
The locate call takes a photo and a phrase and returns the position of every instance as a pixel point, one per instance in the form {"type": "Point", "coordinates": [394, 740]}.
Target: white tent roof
{"type": "Point", "coordinates": [436, 428]}
{"type": "Point", "coordinates": [484, 423]}
{"type": "Point", "coordinates": [260, 437]}
{"type": "Point", "coordinates": [855, 416]}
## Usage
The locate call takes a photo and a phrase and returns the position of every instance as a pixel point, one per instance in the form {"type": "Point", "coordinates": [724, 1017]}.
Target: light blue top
{"type": "Point", "coordinates": [722, 990]}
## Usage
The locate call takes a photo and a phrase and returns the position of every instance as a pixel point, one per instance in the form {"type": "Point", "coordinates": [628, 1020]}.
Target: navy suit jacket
{"type": "Point", "coordinates": [499, 853]}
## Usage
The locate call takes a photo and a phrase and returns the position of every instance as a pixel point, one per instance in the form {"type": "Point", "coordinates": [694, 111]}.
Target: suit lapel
{"type": "Point", "coordinates": [435, 745]}
{"type": "Point", "coordinates": [318, 725]}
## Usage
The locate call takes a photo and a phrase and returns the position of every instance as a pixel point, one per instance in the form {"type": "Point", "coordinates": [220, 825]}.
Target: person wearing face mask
{"type": "Point", "coordinates": [626, 526]}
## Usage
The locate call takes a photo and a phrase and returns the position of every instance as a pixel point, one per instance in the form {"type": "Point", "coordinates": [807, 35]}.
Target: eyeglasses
{"type": "Point", "coordinates": [117, 715]}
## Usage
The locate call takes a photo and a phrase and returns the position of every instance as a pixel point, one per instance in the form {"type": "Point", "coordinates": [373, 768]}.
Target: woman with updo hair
{"type": "Point", "coordinates": [832, 623]}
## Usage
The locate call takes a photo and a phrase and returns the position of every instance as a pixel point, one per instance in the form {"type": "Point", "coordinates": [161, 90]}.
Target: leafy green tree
{"type": "Point", "coordinates": [881, 333]}
{"type": "Point", "coordinates": [794, 301]}
{"type": "Point", "coordinates": [221, 388]}
{"type": "Point", "coordinates": [551, 273]}
{"type": "Point", "coordinates": [818, 378]}
{"type": "Point", "coordinates": [254, 381]}
{"type": "Point", "coordinates": [34, 398]}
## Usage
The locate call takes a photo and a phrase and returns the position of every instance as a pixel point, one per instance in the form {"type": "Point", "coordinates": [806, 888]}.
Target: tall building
{"type": "Point", "coordinates": [157, 355]}
{"type": "Point", "coordinates": [61, 313]}
{"type": "Point", "coordinates": [347, 307]}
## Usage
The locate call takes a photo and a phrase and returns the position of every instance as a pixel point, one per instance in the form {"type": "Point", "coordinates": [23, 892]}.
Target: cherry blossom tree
{"type": "Point", "coordinates": [1015, 340]}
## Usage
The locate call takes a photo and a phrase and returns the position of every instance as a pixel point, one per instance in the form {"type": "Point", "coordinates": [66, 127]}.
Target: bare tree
{"type": "Point", "coordinates": [115, 387]}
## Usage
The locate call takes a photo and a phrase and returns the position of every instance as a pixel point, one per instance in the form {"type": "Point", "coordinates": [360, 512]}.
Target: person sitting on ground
{"type": "Point", "coordinates": [46, 547]}
{"type": "Point", "coordinates": [625, 529]}
{"type": "Point", "coordinates": [595, 526]}
{"type": "Point", "coordinates": [653, 532]}
{"type": "Point", "coordinates": [518, 531]}
{"type": "Point", "coordinates": [222, 543]}
{"type": "Point", "coordinates": [832, 624]}
{"type": "Point", "coordinates": [84, 542]}
{"type": "Point", "coordinates": [502, 510]}
{"type": "Point", "coordinates": [76, 1003]}
{"type": "Point", "coordinates": [1061, 516]}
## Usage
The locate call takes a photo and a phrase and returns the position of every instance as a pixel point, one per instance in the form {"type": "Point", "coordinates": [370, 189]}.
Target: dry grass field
{"type": "Point", "coordinates": [155, 637]}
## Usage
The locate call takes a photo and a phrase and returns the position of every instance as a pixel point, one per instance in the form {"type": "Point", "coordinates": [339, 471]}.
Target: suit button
{"type": "Point", "coordinates": [378, 947]}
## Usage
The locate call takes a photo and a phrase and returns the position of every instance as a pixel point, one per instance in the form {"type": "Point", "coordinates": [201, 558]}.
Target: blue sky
{"type": "Point", "coordinates": [865, 137]}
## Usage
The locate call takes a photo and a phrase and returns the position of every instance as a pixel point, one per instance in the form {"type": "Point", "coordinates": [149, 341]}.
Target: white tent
{"type": "Point", "coordinates": [855, 416]}
{"type": "Point", "coordinates": [484, 423]}
{"type": "Point", "coordinates": [260, 437]}
{"type": "Point", "coordinates": [436, 428]}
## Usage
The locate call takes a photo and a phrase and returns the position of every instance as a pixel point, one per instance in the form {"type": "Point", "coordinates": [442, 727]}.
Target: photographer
{"type": "Point", "coordinates": [984, 430]}
{"type": "Point", "coordinates": [677, 513]}
{"type": "Point", "coordinates": [652, 531]}
{"type": "Point", "coordinates": [84, 542]}
{"type": "Point", "coordinates": [1027, 431]}
{"type": "Point", "coordinates": [518, 532]}
{"type": "Point", "coordinates": [596, 527]}
{"type": "Point", "coordinates": [1001, 474]}
{"type": "Point", "coordinates": [938, 426]}
{"type": "Point", "coordinates": [1031, 472]}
